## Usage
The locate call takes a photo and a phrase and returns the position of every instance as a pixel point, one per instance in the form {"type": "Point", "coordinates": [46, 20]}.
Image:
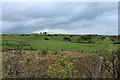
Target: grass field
{"type": "Point", "coordinates": [57, 43]}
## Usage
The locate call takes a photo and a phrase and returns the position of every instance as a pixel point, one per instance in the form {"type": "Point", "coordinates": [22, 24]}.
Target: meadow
{"type": "Point", "coordinates": [57, 43]}
{"type": "Point", "coordinates": [59, 56]}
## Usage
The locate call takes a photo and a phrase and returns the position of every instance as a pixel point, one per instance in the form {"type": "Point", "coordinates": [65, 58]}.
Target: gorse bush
{"type": "Point", "coordinates": [62, 68]}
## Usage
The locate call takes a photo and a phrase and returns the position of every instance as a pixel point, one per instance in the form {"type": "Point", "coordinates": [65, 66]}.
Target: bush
{"type": "Point", "coordinates": [71, 35]}
{"type": "Point", "coordinates": [103, 37]}
{"type": "Point", "coordinates": [84, 37]}
{"type": "Point", "coordinates": [27, 35]}
{"type": "Point", "coordinates": [62, 68]}
{"type": "Point", "coordinates": [82, 51]}
{"type": "Point", "coordinates": [55, 34]}
{"type": "Point", "coordinates": [36, 34]}
{"type": "Point", "coordinates": [90, 41]}
{"type": "Point", "coordinates": [112, 39]}
{"type": "Point", "coordinates": [79, 39]}
{"type": "Point", "coordinates": [49, 35]}
{"type": "Point", "coordinates": [54, 52]}
{"type": "Point", "coordinates": [4, 35]}
{"type": "Point", "coordinates": [46, 38]}
{"type": "Point", "coordinates": [22, 34]}
{"type": "Point", "coordinates": [44, 51]}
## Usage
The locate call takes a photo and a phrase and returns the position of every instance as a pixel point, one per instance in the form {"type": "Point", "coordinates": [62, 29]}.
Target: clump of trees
{"type": "Point", "coordinates": [25, 35]}
{"type": "Point", "coordinates": [84, 38]}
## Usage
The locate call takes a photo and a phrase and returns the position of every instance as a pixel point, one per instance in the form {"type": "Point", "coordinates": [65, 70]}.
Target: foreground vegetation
{"type": "Point", "coordinates": [59, 56]}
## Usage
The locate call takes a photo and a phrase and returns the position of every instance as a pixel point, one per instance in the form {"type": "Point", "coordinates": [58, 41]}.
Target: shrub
{"type": "Point", "coordinates": [55, 34]}
{"type": "Point", "coordinates": [54, 52]}
{"type": "Point", "coordinates": [61, 68]}
{"type": "Point", "coordinates": [46, 38]}
{"type": "Point", "coordinates": [4, 35]}
{"type": "Point", "coordinates": [71, 35]}
{"type": "Point", "coordinates": [90, 41]}
{"type": "Point", "coordinates": [82, 51]}
{"type": "Point", "coordinates": [27, 35]}
{"type": "Point", "coordinates": [36, 34]}
{"type": "Point", "coordinates": [103, 37]}
{"type": "Point", "coordinates": [49, 35]}
{"type": "Point", "coordinates": [22, 34]}
{"type": "Point", "coordinates": [79, 39]}
{"type": "Point", "coordinates": [84, 37]}
{"type": "Point", "coordinates": [112, 39]}
{"type": "Point", "coordinates": [44, 51]}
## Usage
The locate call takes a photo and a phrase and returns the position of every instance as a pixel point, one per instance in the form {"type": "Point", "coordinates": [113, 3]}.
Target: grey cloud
{"type": "Point", "coordinates": [29, 17]}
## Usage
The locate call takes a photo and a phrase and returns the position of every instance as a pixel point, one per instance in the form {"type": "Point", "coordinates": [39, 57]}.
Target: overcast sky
{"type": "Point", "coordinates": [60, 17]}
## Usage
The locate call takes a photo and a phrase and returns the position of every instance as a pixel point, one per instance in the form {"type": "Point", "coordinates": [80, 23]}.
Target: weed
{"type": "Point", "coordinates": [44, 51]}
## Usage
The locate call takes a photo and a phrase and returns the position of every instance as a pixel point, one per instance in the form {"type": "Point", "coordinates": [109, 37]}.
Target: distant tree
{"type": "Point", "coordinates": [44, 32]}
{"type": "Point", "coordinates": [27, 35]}
{"type": "Point", "coordinates": [22, 34]}
{"type": "Point", "coordinates": [55, 34]}
{"type": "Point", "coordinates": [49, 35]}
{"type": "Point", "coordinates": [71, 35]}
{"type": "Point", "coordinates": [84, 37]}
{"type": "Point", "coordinates": [40, 32]}
{"type": "Point", "coordinates": [103, 37]}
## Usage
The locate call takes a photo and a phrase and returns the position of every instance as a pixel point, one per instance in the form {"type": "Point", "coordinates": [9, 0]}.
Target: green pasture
{"type": "Point", "coordinates": [39, 43]}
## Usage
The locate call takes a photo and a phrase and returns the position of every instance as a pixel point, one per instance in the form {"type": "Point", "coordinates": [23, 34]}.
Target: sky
{"type": "Point", "coordinates": [60, 17]}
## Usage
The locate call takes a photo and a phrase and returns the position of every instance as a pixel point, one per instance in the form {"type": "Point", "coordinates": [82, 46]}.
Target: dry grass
{"type": "Point", "coordinates": [30, 64]}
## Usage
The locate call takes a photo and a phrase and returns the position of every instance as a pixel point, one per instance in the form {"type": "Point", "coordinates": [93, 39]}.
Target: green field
{"type": "Point", "coordinates": [38, 42]}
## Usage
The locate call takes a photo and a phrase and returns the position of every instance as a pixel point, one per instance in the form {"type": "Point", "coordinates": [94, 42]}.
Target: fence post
{"type": "Point", "coordinates": [98, 67]}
